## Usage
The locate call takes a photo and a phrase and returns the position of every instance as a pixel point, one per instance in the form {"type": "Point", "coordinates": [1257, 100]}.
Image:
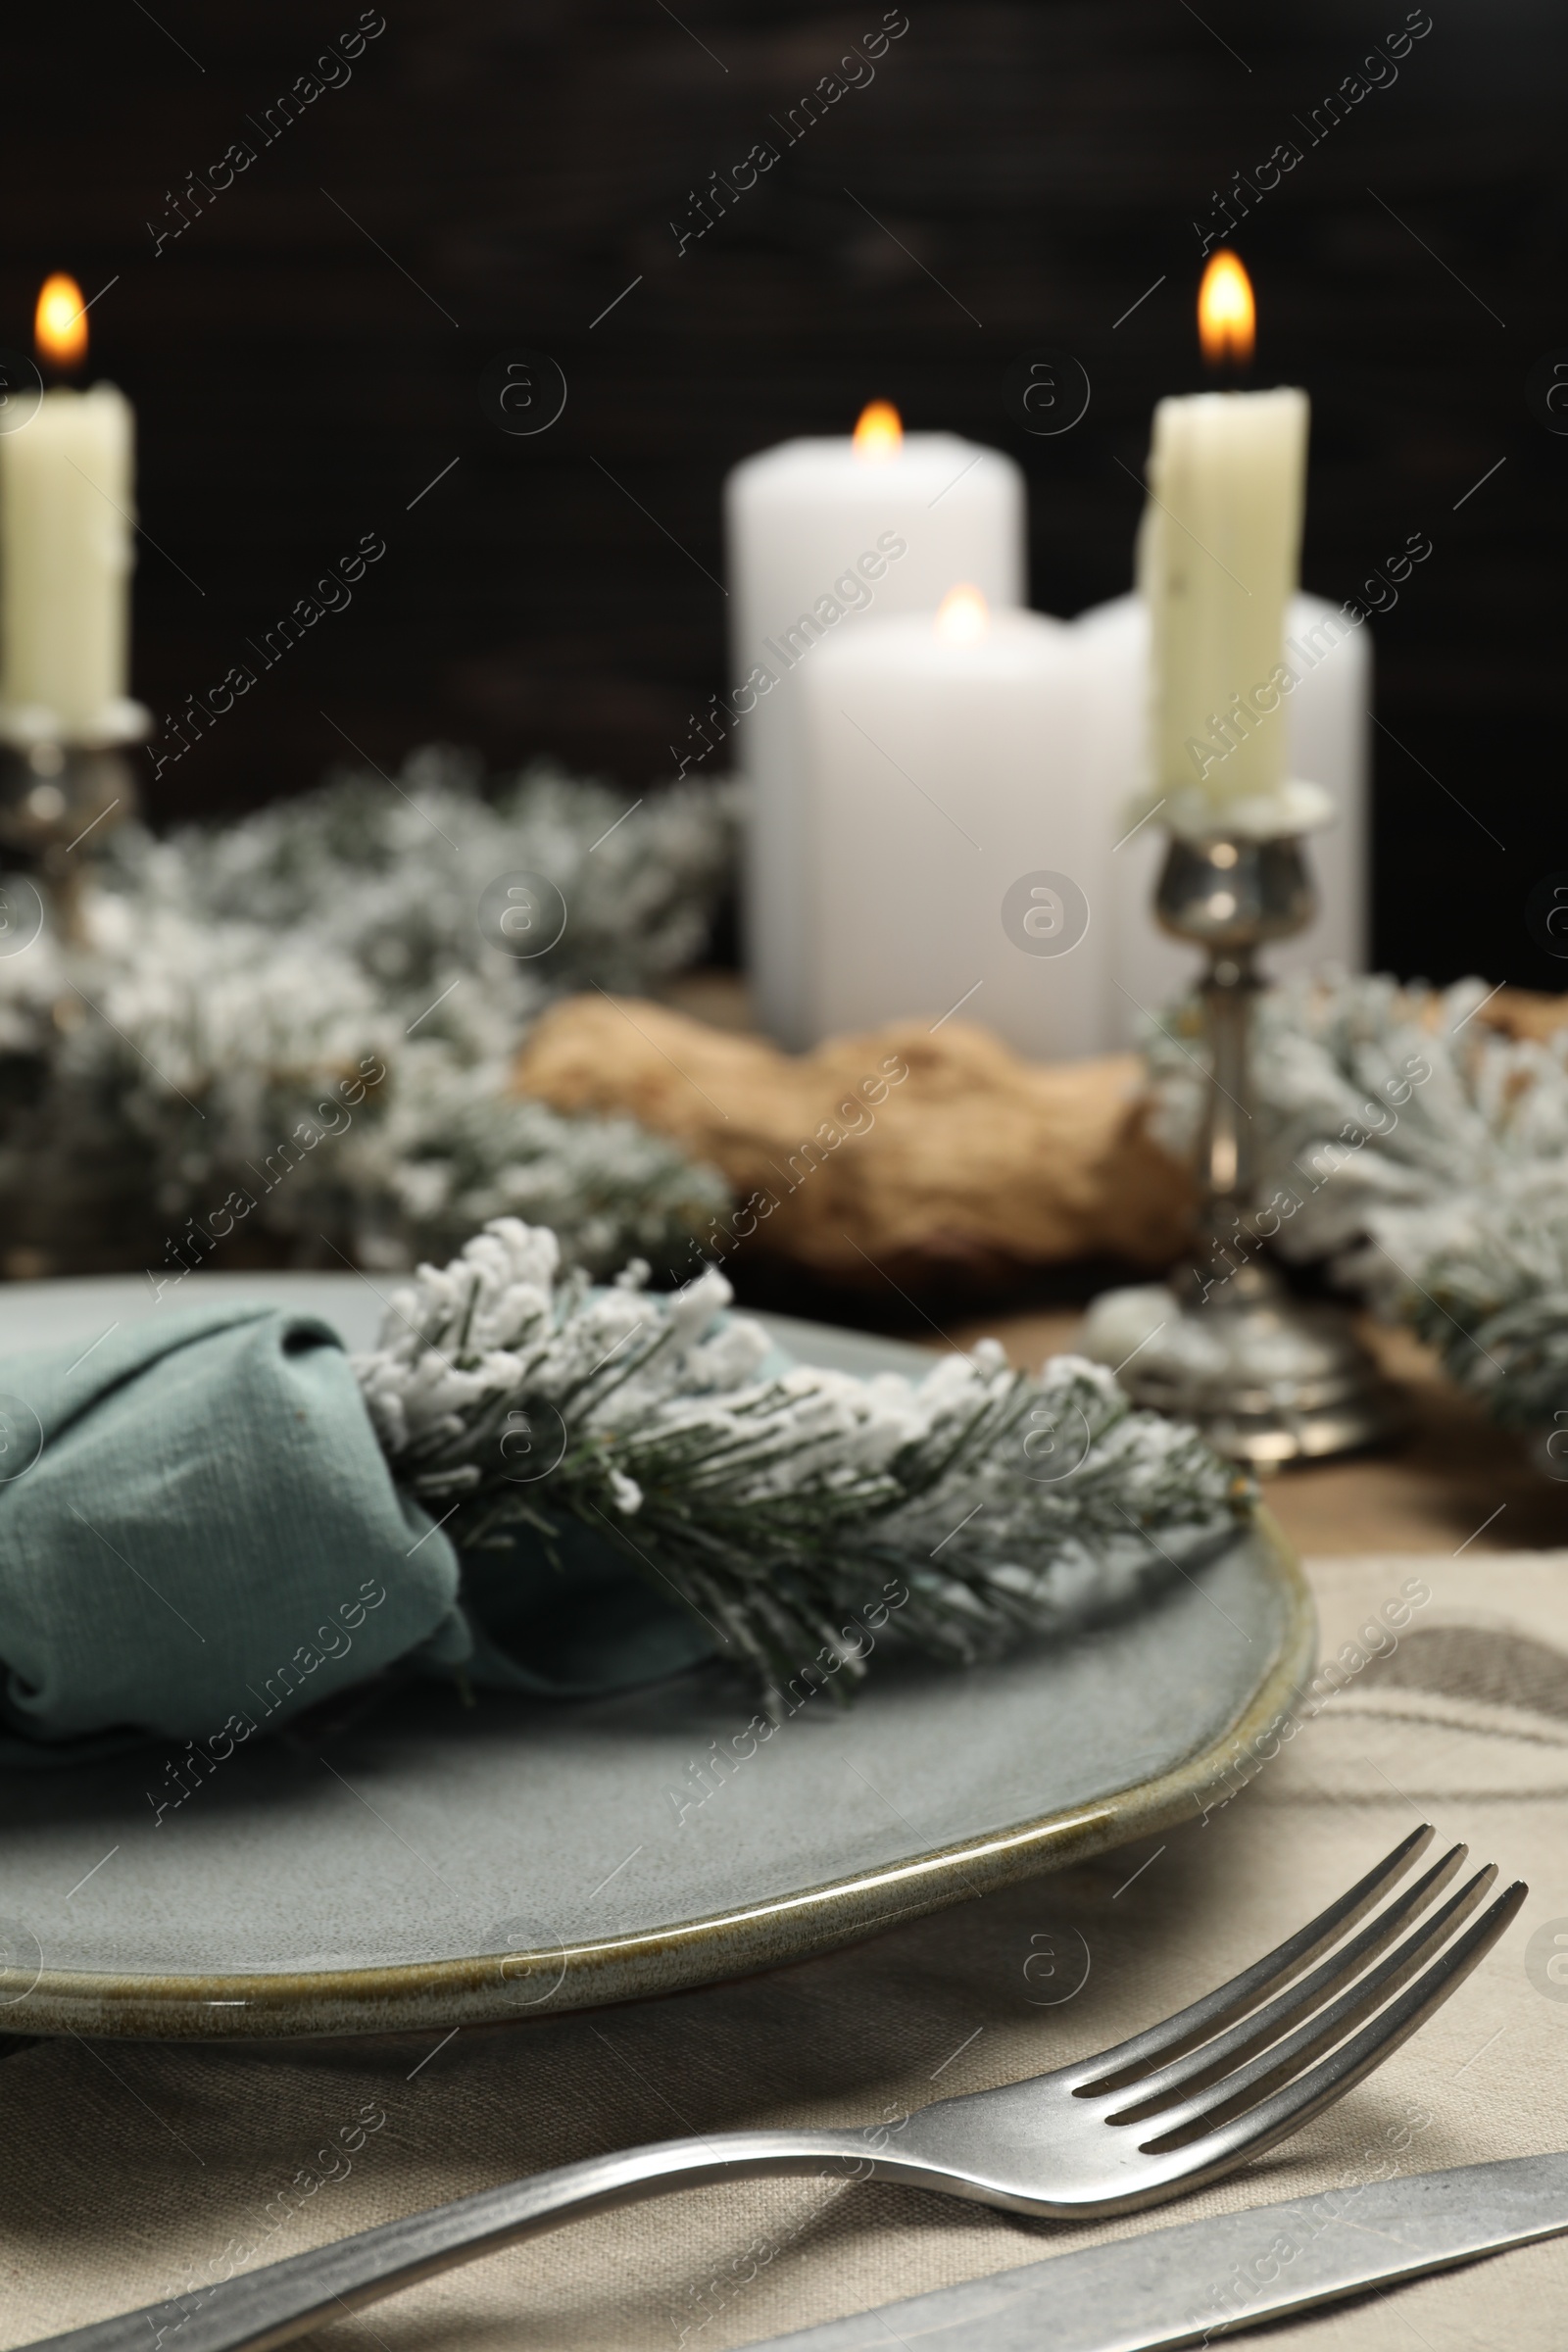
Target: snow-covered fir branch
{"type": "Point", "coordinates": [1425, 1156]}
{"type": "Point", "coordinates": [295, 1025]}
{"type": "Point", "coordinates": [774, 1501]}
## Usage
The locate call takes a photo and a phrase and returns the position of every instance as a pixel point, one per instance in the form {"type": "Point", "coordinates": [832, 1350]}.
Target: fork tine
{"type": "Point", "coordinates": [1273, 2067]}
{"type": "Point", "coordinates": [1262, 2128]}
{"type": "Point", "coordinates": [1116, 2068]}
{"type": "Point", "coordinates": [1305, 1998]}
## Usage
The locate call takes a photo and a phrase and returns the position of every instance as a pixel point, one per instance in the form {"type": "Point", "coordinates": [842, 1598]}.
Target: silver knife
{"type": "Point", "coordinates": [1202, 2279]}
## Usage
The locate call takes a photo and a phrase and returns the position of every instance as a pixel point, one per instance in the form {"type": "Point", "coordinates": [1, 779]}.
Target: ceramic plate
{"type": "Point", "coordinates": [431, 1866]}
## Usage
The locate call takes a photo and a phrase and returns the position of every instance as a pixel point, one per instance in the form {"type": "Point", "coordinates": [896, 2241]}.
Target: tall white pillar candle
{"type": "Point", "coordinates": [67, 510]}
{"type": "Point", "coordinates": [954, 865]}
{"type": "Point", "coordinates": [823, 535]}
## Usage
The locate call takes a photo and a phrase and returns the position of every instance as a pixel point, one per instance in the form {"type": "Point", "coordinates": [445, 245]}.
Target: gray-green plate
{"type": "Point", "coordinates": [432, 1866]}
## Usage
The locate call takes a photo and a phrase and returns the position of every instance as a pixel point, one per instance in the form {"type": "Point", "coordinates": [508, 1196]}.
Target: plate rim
{"type": "Point", "coordinates": [416, 1996]}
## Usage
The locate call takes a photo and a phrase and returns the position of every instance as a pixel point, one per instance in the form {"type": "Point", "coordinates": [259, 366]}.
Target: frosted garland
{"type": "Point", "coordinates": [300, 1012]}
{"type": "Point", "coordinates": [1428, 1158]}
{"type": "Point", "coordinates": [776, 1505]}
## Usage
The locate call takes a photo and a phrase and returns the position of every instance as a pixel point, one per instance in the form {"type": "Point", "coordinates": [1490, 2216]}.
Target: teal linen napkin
{"type": "Point", "coordinates": [200, 1537]}
{"type": "Point", "coordinates": [579, 1630]}
{"type": "Point", "coordinates": [198, 1524]}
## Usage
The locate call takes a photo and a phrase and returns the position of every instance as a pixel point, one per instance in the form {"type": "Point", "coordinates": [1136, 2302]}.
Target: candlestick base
{"type": "Point", "coordinates": [56, 800]}
{"type": "Point", "coordinates": [1267, 1378]}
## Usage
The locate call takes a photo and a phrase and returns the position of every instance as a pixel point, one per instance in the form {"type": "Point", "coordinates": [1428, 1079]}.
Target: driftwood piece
{"type": "Point", "coordinates": [1522, 1012]}
{"type": "Point", "coordinates": [896, 1151]}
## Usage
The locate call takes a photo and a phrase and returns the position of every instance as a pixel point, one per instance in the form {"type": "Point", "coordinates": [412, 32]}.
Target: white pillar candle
{"type": "Point", "coordinates": [954, 865]}
{"type": "Point", "coordinates": [1327, 739]}
{"type": "Point", "coordinates": [67, 510]}
{"type": "Point", "coordinates": [821, 536]}
{"type": "Point", "coordinates": [1218, 557]}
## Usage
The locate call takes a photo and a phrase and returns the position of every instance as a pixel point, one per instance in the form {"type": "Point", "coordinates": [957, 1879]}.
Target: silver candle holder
{"type": "Point", "coordinates": [57, 801]}
{"type": "Point", "coordinates": [1267, 1378]}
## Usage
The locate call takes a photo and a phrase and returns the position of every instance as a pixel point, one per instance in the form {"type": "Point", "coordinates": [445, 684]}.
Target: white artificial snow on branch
{"type": "Point", "coordinates": [774, 1504]}
{"type": "Point", "coordinates": [296, 1023]}
{"type": "Point", "coordinates": [1425, 1157]}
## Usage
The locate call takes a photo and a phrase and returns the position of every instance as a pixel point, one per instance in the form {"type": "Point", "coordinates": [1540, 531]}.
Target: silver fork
{"type": "Point", "coordinates": [1179, 2105]}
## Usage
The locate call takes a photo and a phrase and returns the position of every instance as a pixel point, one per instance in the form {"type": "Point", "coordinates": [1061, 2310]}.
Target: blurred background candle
{"type": "Point", "coordinates": [1218, 553]}
{"type": "Point", "coordinates": [1219, 693]}
{"type": "Point", "coordinates": [67, 510]}
{"type": "Point", "coordinates": [823, 537]}
{"type": "Point", "coordinates": [953, 865]}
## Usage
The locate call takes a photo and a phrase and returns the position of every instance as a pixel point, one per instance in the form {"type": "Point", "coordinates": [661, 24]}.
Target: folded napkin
{"type": "Point", "coordinates": [200, 1537]}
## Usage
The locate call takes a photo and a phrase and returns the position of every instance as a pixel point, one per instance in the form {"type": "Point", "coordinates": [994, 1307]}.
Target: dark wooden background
{"type": "Point", "coordinates": [520, 161]}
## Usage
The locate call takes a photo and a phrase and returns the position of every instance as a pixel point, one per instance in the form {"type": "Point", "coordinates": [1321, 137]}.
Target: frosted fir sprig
{"type": "Point", "coordinates": [1493, 1300]}
{"type": "Point", "coordinates": [772, 1503]}
{"type": "Point", "coordinates": [317, 972]}
{"type": "Point", "coordinates": [1426, 1159]}
{"type": "Point", "coordinates": [392, 876]}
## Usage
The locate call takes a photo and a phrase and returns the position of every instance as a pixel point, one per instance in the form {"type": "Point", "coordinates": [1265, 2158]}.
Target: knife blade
{"type": "Point", "coordinates": [1201, 2279]}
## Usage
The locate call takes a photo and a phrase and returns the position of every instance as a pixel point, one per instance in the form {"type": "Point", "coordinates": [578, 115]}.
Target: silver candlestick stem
{"type": "Point", "coordinates": [1268, 1379]}
{"type": "Point", "coordinates": [57, 802]}
{"type": "Point", "coordinates": [1230, 897]}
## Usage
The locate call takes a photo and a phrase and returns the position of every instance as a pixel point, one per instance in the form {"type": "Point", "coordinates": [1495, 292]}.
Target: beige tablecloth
{"type": "Point", "coordinates": [125, 2169]}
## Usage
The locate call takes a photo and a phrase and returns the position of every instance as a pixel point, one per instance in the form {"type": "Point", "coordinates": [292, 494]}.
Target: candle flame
{"type": "Point", "coordinates": [60, 327]}
{"type": "Point", "coordinates": [1227, 316]}
{"type": "Point", "coordinates": [879, 435]}
{"type": "Point", "coordinates": [962, 617]}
